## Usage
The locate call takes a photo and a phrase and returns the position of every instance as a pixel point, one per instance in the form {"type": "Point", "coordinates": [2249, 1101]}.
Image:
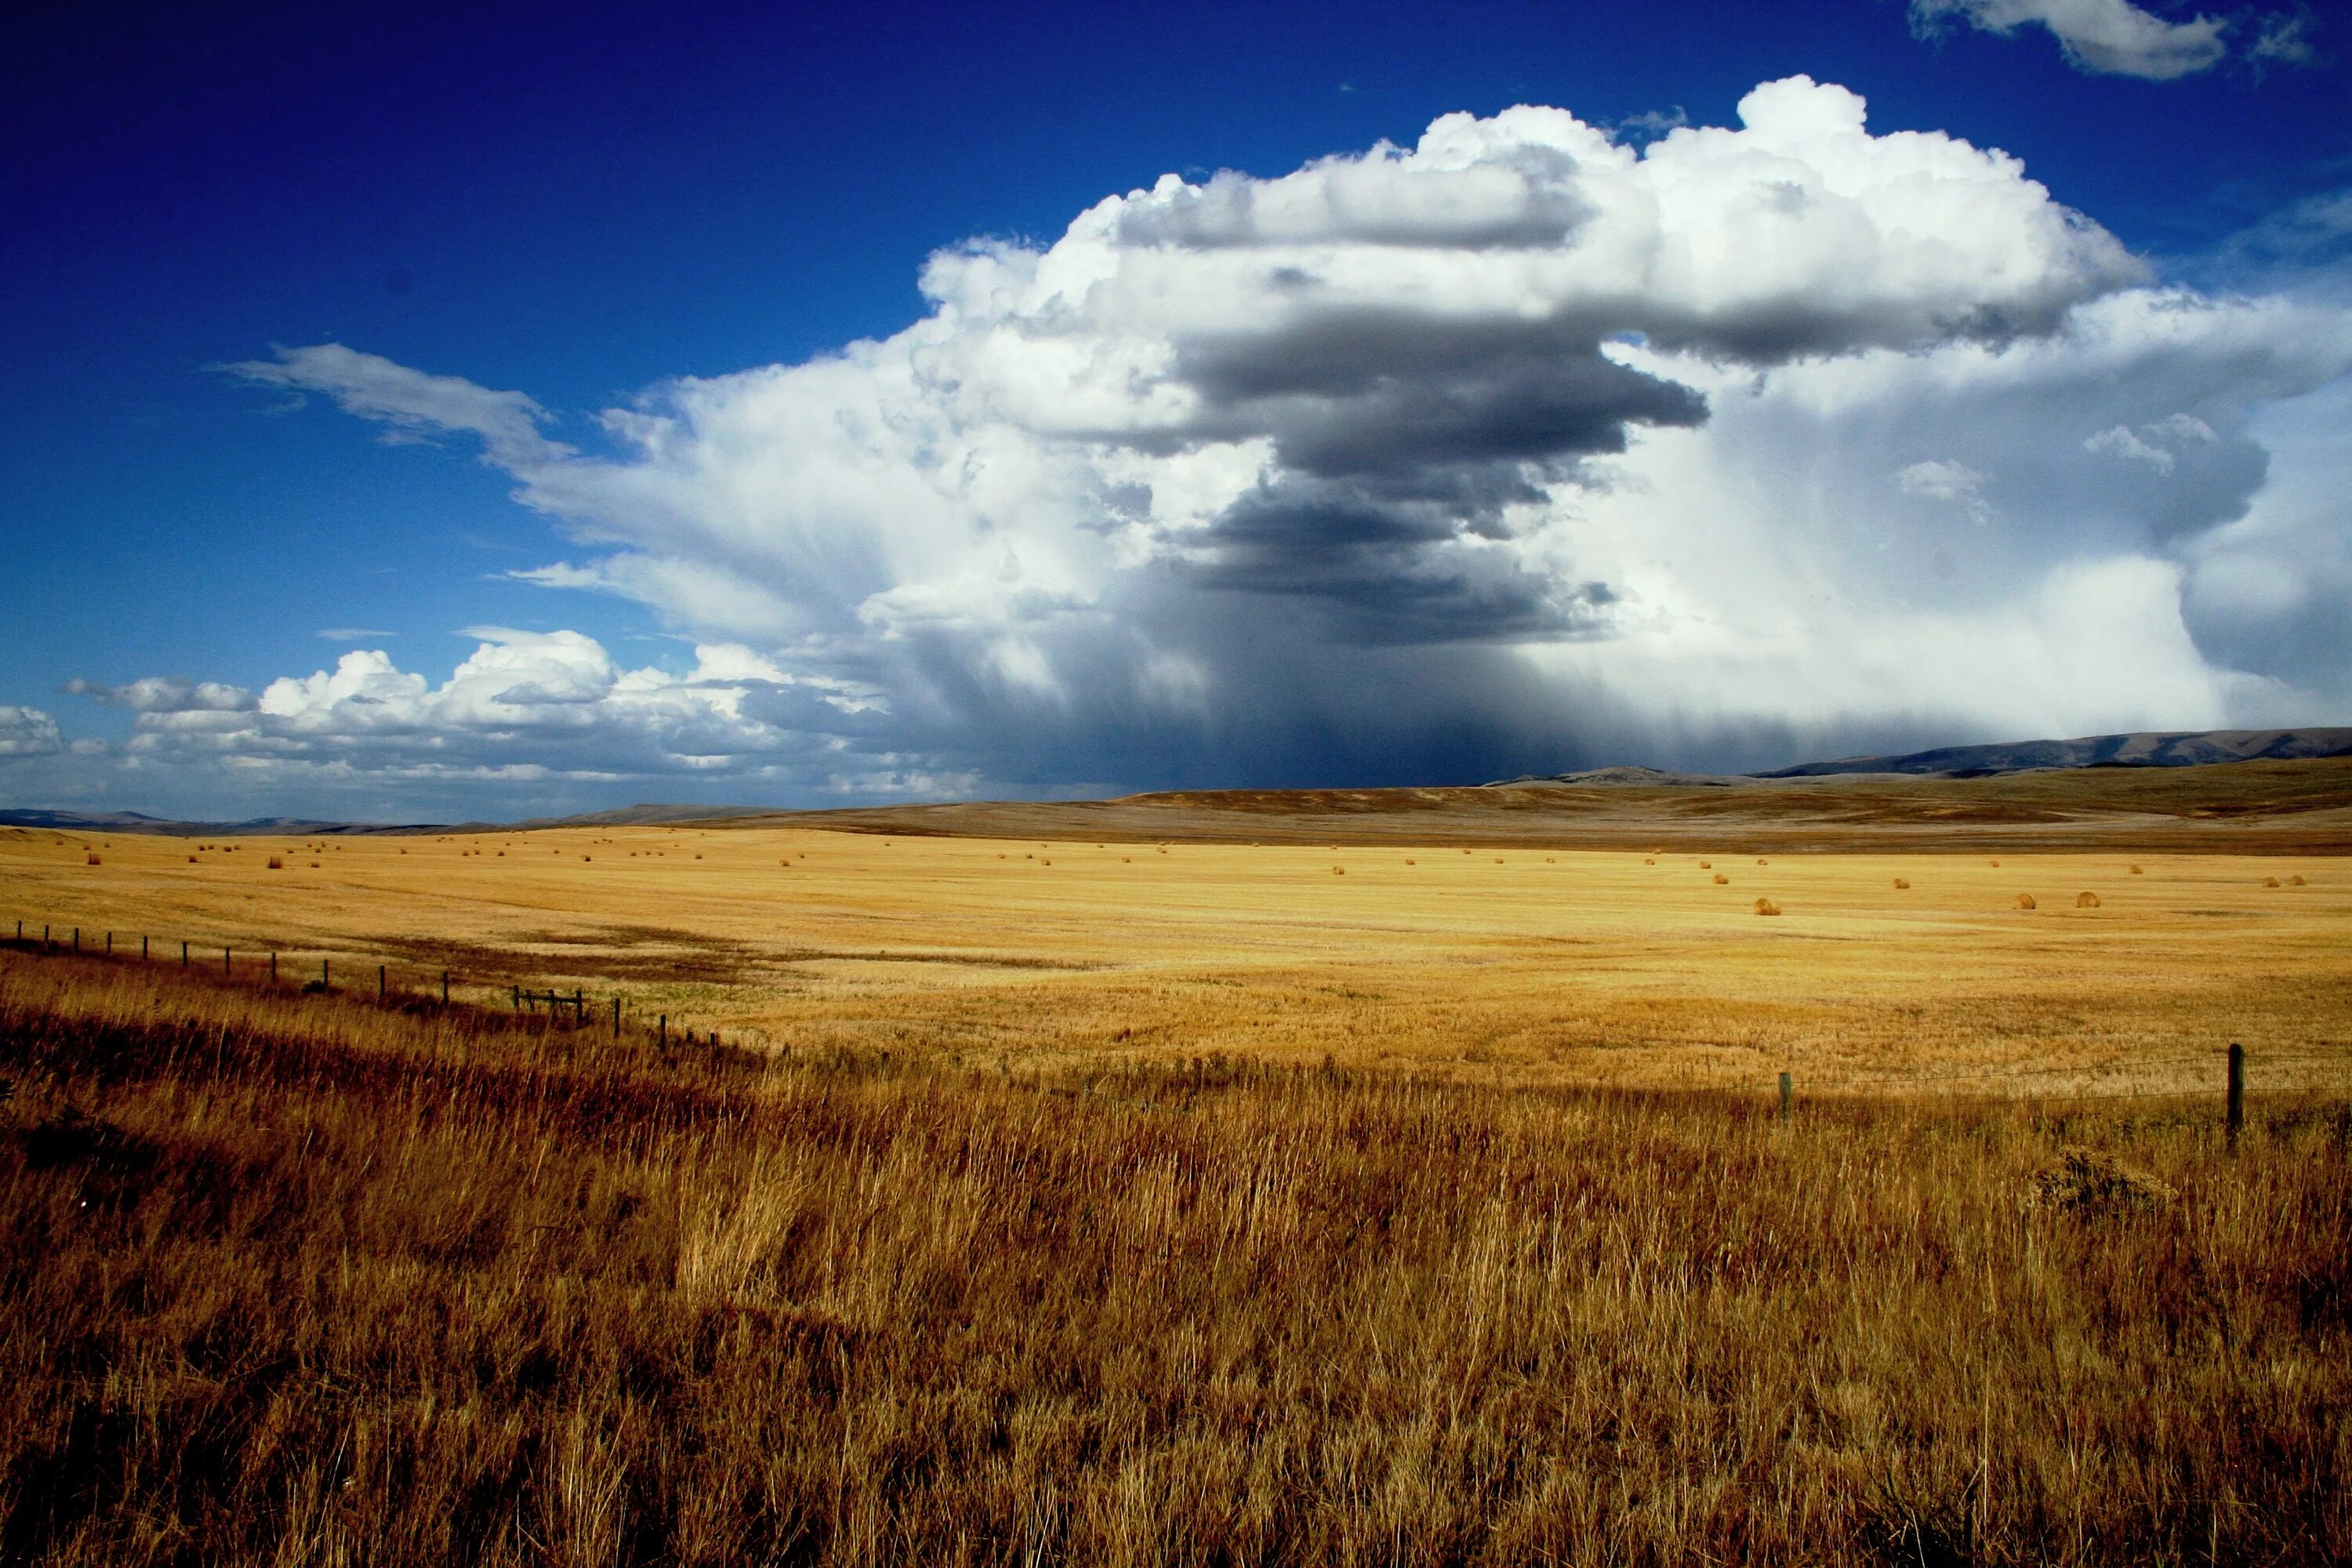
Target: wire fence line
{"type": "Point", "coordinates": [547, 1005]}
{"type": "Point", "coordinates": [551, 1008]}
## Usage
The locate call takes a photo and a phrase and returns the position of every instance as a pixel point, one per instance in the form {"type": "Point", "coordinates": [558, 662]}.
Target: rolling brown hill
{"type": "Point", "coordinates": [2265, 807]}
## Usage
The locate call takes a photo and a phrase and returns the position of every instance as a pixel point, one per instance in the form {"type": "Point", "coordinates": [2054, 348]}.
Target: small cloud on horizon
{"type": "Point", "coordinates": [353, 633]}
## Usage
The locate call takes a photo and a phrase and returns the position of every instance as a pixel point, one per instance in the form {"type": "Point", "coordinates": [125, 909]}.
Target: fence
{"type": "Point", "coordinates": [551, 1004]}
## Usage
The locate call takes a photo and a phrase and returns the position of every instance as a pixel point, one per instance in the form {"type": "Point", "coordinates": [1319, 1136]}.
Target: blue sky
{"type": "Point", "coordinates": [1732, 542]}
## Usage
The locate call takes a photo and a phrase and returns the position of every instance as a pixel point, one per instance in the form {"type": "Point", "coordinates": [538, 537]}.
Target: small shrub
{"type": "Point", "coordinates": [2086, 1183]}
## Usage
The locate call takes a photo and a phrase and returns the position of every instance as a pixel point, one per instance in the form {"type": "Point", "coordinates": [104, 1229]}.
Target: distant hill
{"type": "Point", "coordinates": [2159, 748]}
{"type": "Point", "coordinates": [2171, 749]}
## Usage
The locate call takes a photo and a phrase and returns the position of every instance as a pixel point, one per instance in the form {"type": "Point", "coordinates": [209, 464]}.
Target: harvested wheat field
{"type": "Point", "coordinates": [1933, 970]}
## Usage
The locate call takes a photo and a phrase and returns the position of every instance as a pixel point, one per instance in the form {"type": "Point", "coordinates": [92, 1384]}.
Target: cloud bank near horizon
{"type": "Point", "coordinates": [1517, 449]}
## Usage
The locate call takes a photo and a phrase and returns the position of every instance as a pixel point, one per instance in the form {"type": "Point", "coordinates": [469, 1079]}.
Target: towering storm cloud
{"type": "Point", "coordinates": [1518, 448]}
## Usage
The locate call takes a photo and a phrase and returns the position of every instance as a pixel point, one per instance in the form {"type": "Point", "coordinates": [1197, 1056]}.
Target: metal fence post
{"type": "Point", "coordinates": [2237, 1093]}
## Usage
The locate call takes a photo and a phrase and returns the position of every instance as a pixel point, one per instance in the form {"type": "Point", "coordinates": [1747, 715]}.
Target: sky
{"type": "Point", "coordinates": [506, 409]}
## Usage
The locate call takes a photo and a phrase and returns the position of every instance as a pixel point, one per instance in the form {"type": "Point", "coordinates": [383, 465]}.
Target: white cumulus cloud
{"type": "Point", "coordinates": [1515, 448]}
{"type": "Point", "coordinates": [2108, 37]}
{"type": "Point", "coordinates": [28, 732]}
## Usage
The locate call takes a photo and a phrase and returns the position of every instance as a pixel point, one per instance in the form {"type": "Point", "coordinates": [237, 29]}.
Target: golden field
{"type": "Point", "coordinates": [1486, 962]}
{"type": "Point", "coordinates": [289, 1278]}
{"type": "Point", "coordinates": [1408, 1187]}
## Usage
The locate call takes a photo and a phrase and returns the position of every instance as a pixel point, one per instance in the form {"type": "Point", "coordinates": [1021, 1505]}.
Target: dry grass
{"type": "Point", "coordinates": [1569, 967]}
{"type": "Point", "coordinates": [304, 1278]}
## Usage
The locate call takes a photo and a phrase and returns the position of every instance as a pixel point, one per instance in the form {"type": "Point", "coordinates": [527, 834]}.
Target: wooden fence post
{"type": "Point", "coordinates": [2237, 1093]}
{"type": "Point", "coordinates": [1788, 1097]}
{"type": "Point", "coordinates": [664, 1027]}
{"type": "Point", "coordinates": [381, 991]}
{"type": "Point", "coordinates": [184, 955]}
{"type": "Point", "coordinates": [616, 1017]}
{"type": "Point", "coordinates": [142, 950]}
{"type": "Point", "coordinates": [323, 983]}
{"type": "Point", "coordinates": [273, 968]}
{"type": "Point", "coordinates": [445, 988]}
{"type": "Point", "coordinates": [225, 969]}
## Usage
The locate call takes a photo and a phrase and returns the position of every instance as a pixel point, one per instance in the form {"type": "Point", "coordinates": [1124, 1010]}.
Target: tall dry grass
{"type": "Point", "coordinates": [295, 1279]}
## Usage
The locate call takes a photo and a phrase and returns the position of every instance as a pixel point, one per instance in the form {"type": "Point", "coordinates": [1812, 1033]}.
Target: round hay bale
{"type": "Point", "coordinates": [278, 864]}
{"type": "Point", "coordinates": [2086, 900]}
{"type": "Point", "coordinates": [1767, 906]}
{"type": "Point", "coordinates": [1994, 864]}
{"type": "Point", "coordinates": [2025, 901]}
{"type": "Point", "coordinates": [2136, 871]}
{"type": "Point", "coordinates": [2297, 881]}
{"type": "Point", "coordinates": [1721, 880]}
{"type": "Point", "coordinates": [2269, 881]}
{"type": "Point", "coordinates": [1649, 862]}
{"type": "Point", "coordinates": [93, 860]}
{"type": "Point", "coordinates": [1411, 861]}
{"type": "Point", "coordinates": [1902, 882]}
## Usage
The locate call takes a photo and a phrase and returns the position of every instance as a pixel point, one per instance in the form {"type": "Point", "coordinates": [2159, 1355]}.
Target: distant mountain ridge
{"type": "Point", "coordinates": [2142, 748]}
{"type": "Point", "coordinates": [2146, 749]}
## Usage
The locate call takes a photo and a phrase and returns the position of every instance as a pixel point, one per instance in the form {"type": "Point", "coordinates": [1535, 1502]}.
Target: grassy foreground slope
{"type": "Point", "coordinates": [295, 1278]}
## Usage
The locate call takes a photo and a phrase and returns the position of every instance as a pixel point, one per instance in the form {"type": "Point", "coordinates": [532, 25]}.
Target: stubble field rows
{"type": "Point", "coordinates": [1492, 962]}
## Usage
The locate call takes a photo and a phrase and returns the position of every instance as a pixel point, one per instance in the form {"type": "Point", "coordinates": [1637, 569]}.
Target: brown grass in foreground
{"type": "Point", "coordinates": [299, 1279]}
